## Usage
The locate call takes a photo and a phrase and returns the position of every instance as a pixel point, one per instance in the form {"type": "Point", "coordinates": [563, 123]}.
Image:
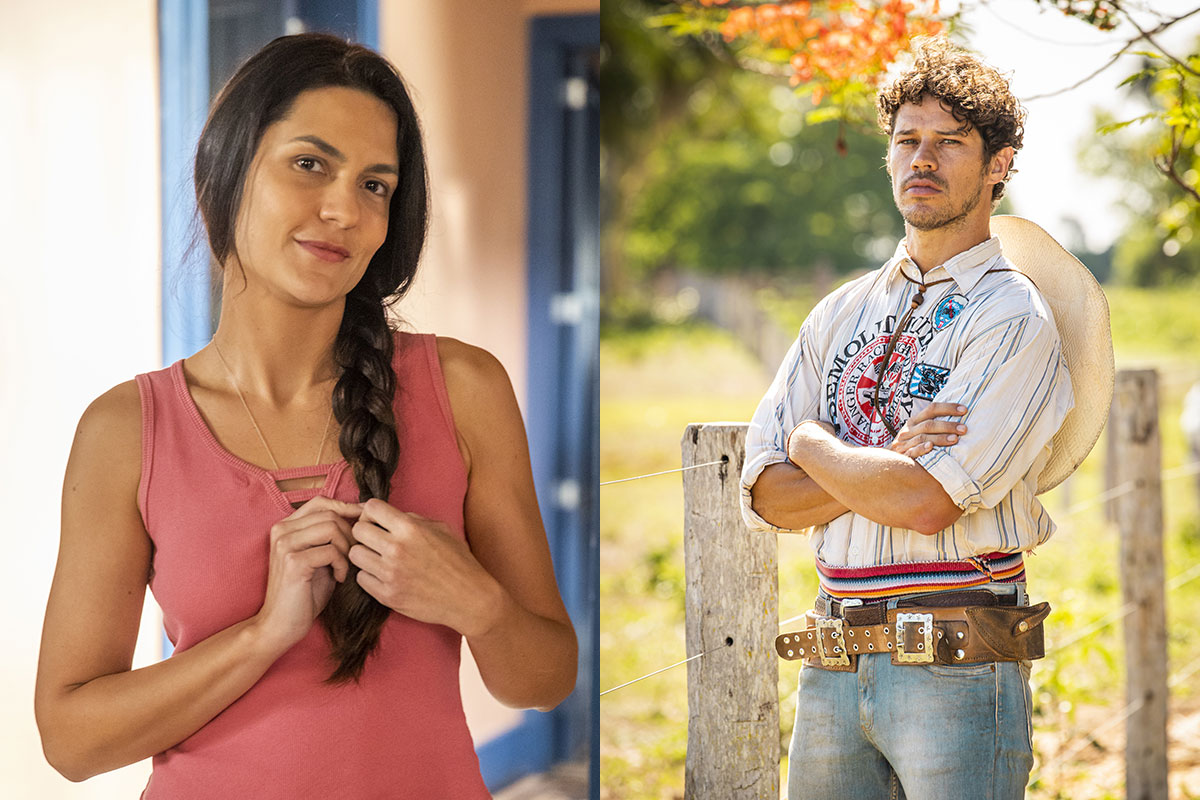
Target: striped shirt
{"type": "Point", "coordinates": [984, 340]}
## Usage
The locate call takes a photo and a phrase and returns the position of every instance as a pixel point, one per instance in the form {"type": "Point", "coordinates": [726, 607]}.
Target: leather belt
{"type": "Point", "coordinates": [920, 634]}
{"type": "Point", "coordinates": [871, 612]}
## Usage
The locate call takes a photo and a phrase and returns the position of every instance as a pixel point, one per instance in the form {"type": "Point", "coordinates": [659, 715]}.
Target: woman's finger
{"type": "Point", "coordinates": [371, 535]}
{"type": "Point", "coordinates": [322, 503]}
{"type": "Point", "coordinates": [334, 531]}
{"type": "Point", "coordinates": [370, 584]}
{"type": "Point", "coordinates": [313, 558]}
{"type": "Point", "coordinates": [364, 557]}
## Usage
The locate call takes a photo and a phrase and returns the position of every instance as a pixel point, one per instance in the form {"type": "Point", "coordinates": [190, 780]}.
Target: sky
{"type": "Point", "coordinates": [1045, 51]}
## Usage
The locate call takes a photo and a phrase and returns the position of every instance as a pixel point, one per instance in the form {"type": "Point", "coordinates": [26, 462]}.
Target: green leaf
{"type": "Point", "coordinates": [825, 113]}
{"type": "Point", "coordinates": [1137, 76]}
{"type": "Point", "coordinates": [1116, 126]}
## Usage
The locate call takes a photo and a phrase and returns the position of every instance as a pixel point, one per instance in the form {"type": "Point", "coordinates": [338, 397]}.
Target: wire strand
{"type": "Point", "coordinates": [665, 472]}
{"type": "Point", "coordinates": [664, 669]}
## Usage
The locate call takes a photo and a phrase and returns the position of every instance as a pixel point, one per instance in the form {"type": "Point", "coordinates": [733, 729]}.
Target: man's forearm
{"type": "Point", "coordinates": [875, 482]}
{"type": "Point", "coordinates": [787, 498]}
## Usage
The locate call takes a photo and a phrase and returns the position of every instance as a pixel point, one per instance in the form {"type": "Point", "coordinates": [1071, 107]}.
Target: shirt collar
{"type": "Point", "coordinates": [966, 268]}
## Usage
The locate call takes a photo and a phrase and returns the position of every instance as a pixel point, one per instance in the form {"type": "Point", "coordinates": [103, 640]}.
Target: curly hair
{"type": "Point", "coordinates": [977, 95]}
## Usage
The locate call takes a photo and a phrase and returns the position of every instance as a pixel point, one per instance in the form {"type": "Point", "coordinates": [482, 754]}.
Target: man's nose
{"type": "Point", "coordinates": [924, 159]}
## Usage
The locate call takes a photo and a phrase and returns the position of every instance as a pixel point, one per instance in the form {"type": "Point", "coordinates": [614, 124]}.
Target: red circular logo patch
{"type": "Point", "coordinates": [856, 390]}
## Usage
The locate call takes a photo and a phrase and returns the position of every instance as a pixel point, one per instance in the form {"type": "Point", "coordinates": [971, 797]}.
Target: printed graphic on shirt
{"type": "Point", "coordinates": [927, 380]}
{"type": "Point", "coordinates": [947, 310]}
{"type": "Point", "coordinates": [850, 383]}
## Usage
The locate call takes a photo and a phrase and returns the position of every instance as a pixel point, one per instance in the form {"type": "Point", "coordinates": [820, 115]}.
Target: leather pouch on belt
{"type": "Point", "coordinates": [1010, 634]}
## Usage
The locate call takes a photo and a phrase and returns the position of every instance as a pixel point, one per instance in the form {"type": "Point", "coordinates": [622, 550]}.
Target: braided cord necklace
{"type": "Point", "coordinates": [918, 298]}
{"type": "Point", "coordinates": [254, 422]}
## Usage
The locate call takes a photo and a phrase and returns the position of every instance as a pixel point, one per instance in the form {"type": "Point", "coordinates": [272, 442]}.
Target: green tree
{"type": "Point", "coordinates": [713, 167]}
{"type": "Point", "coordinates": [1156, 156]}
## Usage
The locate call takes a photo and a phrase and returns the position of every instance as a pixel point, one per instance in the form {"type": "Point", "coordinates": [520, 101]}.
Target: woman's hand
{"type": "Point", "coordinates": [308, 553]}
{"type": "Point", "coordinates": [924, 431]}
{"type": "Point", "coordinates": [417, 567]}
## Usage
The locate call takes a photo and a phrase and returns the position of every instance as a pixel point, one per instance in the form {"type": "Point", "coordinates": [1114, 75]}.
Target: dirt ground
{"type": "Point", "coordinates": [1097, 770]}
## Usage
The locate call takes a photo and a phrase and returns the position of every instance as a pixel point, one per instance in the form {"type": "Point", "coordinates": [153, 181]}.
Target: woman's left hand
{"type": "Point", "coordinates": [417, 567]}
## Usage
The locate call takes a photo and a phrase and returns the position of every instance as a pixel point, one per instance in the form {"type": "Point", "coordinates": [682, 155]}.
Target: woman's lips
{"type": "Point", "coordinates": [322, 253]}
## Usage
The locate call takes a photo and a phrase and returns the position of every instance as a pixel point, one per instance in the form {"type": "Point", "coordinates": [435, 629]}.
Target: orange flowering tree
{"type": "Point", "coordinates": [838, 50]}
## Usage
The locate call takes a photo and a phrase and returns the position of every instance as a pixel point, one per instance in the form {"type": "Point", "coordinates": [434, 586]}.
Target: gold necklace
{"type": "Point", "coordinates": [253, 422]}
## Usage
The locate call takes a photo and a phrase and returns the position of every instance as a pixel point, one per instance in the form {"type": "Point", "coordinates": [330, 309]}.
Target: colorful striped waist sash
{"type": "Point", "coordinates": [914, 577]}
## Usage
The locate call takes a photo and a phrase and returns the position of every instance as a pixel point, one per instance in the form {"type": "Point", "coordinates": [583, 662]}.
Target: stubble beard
{"type": "Point", "coordinates": [923, 218]}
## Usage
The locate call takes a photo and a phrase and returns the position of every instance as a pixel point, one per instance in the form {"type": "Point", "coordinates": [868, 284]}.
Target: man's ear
{"type": "Point", "coordinates": [1000, 164]}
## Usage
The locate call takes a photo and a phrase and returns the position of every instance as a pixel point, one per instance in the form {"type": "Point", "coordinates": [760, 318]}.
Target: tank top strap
{"type": "Point", "coordinates": [422, 382]}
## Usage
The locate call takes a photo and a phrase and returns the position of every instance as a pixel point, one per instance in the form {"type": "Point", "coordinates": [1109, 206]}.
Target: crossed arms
{"type": "Point", "coordinates": [825, 477]}
{"type": "Point", "coordinates": [1010, 379]}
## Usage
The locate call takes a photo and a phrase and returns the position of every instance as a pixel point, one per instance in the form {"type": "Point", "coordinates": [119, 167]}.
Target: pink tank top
{"type": "Point", "coordinates": [398, 733]}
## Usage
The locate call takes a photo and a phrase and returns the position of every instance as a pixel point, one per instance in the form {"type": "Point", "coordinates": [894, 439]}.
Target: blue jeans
{"type": "Point", "coordinates": [915, 731]}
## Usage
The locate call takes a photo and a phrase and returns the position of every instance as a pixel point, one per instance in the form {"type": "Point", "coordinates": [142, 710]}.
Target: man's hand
{"type": "Point", "coordinates": [924, 431]}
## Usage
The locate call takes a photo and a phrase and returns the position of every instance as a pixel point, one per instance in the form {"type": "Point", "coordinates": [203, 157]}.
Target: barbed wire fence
{"type": "Point", "coordinates": [1064, 753]}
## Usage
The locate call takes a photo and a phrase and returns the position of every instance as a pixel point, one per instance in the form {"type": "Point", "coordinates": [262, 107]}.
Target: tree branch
{"type": "Point", "coordinates": [1167, 166]}
{"type": "Point", "coordinates": [1147, 35]}
{"type": "Point", "coordinates": [1128, 44]}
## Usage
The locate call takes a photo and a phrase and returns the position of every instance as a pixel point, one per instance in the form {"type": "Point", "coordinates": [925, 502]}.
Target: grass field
{"type": "Point", "coordinates": [654, 381]}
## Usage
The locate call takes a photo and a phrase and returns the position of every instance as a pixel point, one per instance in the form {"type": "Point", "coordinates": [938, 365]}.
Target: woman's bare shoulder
{"type": "Point", "coordinates": [467, 361]}
{"type": "Point", "coordinates": [108, 438]}
{"type": "Point", "coordinates": [470, 369]}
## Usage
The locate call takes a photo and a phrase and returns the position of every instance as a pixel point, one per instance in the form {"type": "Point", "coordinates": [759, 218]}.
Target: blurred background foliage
{"type": "Point", "coordinates": [724, 180]}
{"type": "Point", "coordinates": [715, 162]}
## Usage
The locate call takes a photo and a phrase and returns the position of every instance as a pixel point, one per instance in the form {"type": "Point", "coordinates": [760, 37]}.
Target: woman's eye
{"type": "Point", "coordinates": [306, 160]}
{"type": "Point", "coordinates": [380, 189]}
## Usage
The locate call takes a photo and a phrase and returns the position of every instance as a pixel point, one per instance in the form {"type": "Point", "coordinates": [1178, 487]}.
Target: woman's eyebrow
{"type": "Point", "coordinates": [334, 152]}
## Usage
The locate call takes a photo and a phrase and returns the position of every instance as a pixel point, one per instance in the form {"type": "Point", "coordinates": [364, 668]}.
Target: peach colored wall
{"type": "Point", "coordinates": [466, 63]}
{"type": "Point", "coordinates": [532, 7]}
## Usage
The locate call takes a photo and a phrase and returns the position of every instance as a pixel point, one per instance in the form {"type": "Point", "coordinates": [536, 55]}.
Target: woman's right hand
{"type": "Point", "coordinates": [308, 553]}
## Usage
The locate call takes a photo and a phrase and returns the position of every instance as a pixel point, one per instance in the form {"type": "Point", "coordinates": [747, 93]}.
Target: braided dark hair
{"type": "Point", "coordinates": [259, 94]}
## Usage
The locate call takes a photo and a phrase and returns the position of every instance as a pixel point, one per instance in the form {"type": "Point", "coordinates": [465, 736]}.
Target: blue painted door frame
{"type": "Point", "coordinates": [563, 279]}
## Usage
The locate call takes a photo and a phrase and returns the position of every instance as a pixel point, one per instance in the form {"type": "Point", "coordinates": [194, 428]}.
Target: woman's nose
{"type": "Point", "coordinates": [339, 203]}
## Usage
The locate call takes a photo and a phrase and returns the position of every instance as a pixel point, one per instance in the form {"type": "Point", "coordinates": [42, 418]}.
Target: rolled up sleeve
{"type": "Point", "coordinates": [1014, 382]}
{"type": "Point", "coordinates": [794, 396]}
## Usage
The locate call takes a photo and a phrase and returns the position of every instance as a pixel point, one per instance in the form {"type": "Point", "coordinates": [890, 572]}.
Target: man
{"type": "Point", "coordinates": [908, 427]}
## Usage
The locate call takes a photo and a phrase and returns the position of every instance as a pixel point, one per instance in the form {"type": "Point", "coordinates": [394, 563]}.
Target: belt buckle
{"type": "Point", "coordinates": [833, 624]}
{"type": "Point", "coordinates": [851, 602]}
{"type": "Point", "coordinates": [914, 629]}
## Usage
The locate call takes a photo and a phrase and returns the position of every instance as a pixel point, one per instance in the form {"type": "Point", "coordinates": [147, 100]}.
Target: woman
{"type": "Point", "coordinates": [317, 608]}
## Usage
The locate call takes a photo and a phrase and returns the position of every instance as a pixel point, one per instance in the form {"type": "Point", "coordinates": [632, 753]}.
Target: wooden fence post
{"type": "Point", "coordinates": [732, 600]}
{"type": "Point", "coordinates": [1134, 427]}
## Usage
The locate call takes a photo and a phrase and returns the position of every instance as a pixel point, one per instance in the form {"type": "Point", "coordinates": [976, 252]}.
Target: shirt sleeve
{"type": "Point", "coordinates": [1014, 382]}
{"type": "Point", "coordinates": [793, 397]}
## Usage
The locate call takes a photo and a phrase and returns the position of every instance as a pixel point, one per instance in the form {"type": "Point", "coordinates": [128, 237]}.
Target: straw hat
{"type": "Point", "coordinates": [1081, 315]}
